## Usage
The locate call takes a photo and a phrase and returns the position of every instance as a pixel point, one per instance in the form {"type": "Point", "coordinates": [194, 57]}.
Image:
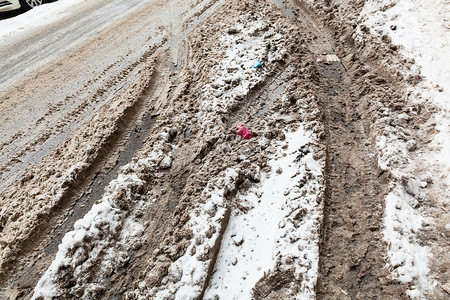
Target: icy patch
{"type": "Point", "coordinates": [101, 242]}
{"type": "Point", "coordinates": [274, 226]}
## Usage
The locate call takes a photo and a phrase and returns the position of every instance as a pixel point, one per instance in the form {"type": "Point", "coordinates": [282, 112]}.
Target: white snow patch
{"type": "Point", "coordinates": [423, 29]}
{"type": "Point", "coordinates": [104, 215]}
{"type": "Point", "coordinates": [280, 229]}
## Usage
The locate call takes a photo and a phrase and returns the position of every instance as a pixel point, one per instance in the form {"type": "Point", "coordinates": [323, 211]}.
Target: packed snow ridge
{"type": "Point", "coordinates": [186, 276]}
{"type": "Point", "coordinates": [101, 242]}
{"type": "Point", "coordinates": [244, 45]}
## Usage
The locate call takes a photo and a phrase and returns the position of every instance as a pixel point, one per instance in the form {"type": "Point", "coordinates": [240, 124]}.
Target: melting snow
{"type": "Point", "coordinates": [275, 225]}
{"type": "Point", "coordinates": [423, 29]}
{"type": "Point", "coordinates": [186, 276]}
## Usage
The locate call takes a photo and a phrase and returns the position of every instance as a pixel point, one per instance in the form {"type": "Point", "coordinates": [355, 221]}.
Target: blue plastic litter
{"type": "Point", "coordinates": [258, 65]}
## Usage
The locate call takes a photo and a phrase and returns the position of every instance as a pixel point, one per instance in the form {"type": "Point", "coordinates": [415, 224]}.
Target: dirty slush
{"type": "Point", "coordinates": [240, 164]}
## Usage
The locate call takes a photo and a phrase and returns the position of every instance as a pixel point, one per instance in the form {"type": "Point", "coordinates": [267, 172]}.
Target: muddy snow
{"type": "Point", "coordinates": [142, 187]}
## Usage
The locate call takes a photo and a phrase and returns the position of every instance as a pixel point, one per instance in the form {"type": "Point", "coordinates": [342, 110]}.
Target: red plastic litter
{"type": "Point", "coordinates": [243, 131]}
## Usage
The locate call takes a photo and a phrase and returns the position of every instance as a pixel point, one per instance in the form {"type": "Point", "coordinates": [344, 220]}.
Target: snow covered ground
{"type": "Point", "coordinates": [262, 224]}
{"type": "Point", "coordinates": [422, 29]}
{"type": "Point", "coordinates": [296, 204]}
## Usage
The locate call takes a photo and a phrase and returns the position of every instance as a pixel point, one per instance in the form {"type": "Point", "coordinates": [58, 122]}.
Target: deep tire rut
{"type": "Point", "coordinates": [352, 262]}
{"type": "Point", "coordinates": [353, 254]}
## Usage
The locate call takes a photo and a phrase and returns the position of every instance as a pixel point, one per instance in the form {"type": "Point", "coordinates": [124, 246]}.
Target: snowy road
{"type": "Point", "coordinates": [56, 61]}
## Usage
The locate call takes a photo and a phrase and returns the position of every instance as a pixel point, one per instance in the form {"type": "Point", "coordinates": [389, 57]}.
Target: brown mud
{"type": "Point", "coordinates": [103, 145]}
